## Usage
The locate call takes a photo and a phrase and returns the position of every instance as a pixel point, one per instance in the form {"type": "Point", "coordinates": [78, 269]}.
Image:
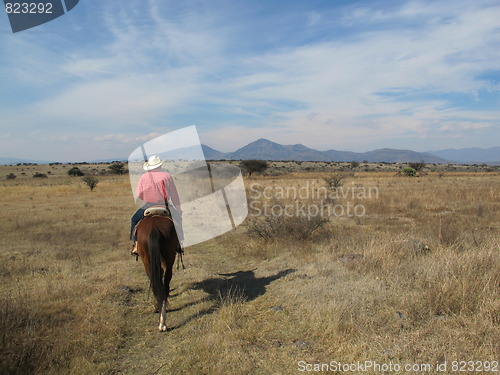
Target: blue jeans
{"type": "Point", "coordinates": [139, 214]}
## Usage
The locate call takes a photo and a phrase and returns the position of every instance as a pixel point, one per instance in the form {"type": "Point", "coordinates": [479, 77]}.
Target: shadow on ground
{"type": "Point", "coordinates": [243, 284]}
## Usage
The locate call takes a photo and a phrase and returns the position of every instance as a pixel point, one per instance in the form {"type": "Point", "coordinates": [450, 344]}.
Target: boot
{"type": "Point", "coordinates": [134, 249]}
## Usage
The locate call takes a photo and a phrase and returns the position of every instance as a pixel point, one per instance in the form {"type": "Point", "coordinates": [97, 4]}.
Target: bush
{"type": "Point", "coordinates": [283, 227]}
{"type": "Point", "coordinates": [40, 175]}
{"type": "Point", "coordinates": [418, 166]}
{"type": "Point", "coordinates": [409, 172]}
{"type": "Point", "coordinates": [90, 181]}
{"type": "Point", "coordinates": [251, 166]}
{"type": "Point", "coordinates": [10, 176]}
{"type": "Point", "coordinates": [334, 182]}
{"type": "Point", "coordinates": [354, 164]}
{"type": "Point", "coordinates": [75, 171]}
{"type": "Point", "coordinates": [117, 168]}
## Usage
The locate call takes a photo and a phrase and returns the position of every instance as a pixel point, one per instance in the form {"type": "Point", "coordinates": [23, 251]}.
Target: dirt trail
{"type": "Point", "coordinates": [195, 295]}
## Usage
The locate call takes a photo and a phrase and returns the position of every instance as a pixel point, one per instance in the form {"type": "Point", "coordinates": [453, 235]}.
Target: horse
{"type": "Point", "coordinates": [157, 245]}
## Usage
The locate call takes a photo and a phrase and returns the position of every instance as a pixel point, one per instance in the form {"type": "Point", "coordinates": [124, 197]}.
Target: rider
{"type": "Point", "coordinates": [154, 188]}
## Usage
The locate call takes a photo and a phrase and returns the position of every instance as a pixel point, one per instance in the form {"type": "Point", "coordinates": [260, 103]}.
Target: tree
{"type": "Point", "coordinates": [251, 166]}
{"type": "Point", "coordinates": [418, 165]}
{"type": "Point", "coordinates": [117, 168]}
{"type": "Point", "coordinates": [90, 181]}
{"type": "Point", "coordinates": [75, 171]}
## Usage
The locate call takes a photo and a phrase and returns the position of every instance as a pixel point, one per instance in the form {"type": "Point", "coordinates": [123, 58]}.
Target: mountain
{"type": "Point", "coordinates": [388, 155]}
{"type": "Point", "coordinates": [470, 155]}
{"type": "Point", "coordinates": [265, 149]}
{"type": "Point", "coordinates": [400, 156]}
{"type": "Point", "coordinates": [212, 154]}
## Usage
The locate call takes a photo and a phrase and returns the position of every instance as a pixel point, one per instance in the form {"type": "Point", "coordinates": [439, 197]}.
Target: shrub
{"type": "Point", "coordinates": [117, 168]}
{"type": "Point", "coordinates": [75, 171]}
{"type": "Point", "coordinates": [285, 227]}
{"type": "Point", "coordinates": [10, 176]}
{"type": "Point", "coordinates": [418, 166]}
{"type": "Point", "coordinates": [90, 181]}
{"type": "Point", "coordinates": [334, 182]}
{"type": "Point", "coordinates": [40, 175]}
{"type": "Point", "coordinates": [251, 166]}
{"type": "Point", "coordinates": [354, 164]}
{"type": "Point", "coordinates": [409, 172]}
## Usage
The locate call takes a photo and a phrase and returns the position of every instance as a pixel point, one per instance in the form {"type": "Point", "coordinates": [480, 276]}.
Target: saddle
{"type": "Point", "coordinates": [153, 211]}
{"type": "Point", "coordinates": [157, 210]}
{"type": "Point", "coordinates": [160, 211]}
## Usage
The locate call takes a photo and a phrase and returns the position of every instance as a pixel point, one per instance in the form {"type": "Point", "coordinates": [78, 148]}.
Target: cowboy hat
{"type": "Point", "coordinates": [153, 162]}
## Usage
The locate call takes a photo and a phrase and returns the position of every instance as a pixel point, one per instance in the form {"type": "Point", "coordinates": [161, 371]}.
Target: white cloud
{"type": "Point", "coordinates": [117, 102]}
{"type": "Point", "coordinates": [313, 18]}
{"type": "Point", "coordinates": [383, 74]}
{"type": "Point", "coordinates": [342, 80]}
{"type": "Point", "coordinates": [125, 138]}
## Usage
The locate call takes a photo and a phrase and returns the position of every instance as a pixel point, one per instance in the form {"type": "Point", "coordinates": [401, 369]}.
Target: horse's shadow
{"type": "Point", "coordinates": [240, 285]}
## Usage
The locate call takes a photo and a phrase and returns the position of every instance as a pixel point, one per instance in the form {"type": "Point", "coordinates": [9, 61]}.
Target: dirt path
{"type": "Point", "coordinates": [196, 294]}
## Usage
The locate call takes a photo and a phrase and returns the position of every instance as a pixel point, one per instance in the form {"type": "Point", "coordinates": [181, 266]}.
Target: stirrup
{"type": "Point", "coordinates": [134, 251]}
{"type": "Point", "coordinates": [180, 251]}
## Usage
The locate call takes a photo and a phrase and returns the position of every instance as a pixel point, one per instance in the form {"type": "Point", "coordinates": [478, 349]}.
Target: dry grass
{"type": "Point", "coordinates": [415, 280]}
{"type": "Point", "coordinates": [59, 268]}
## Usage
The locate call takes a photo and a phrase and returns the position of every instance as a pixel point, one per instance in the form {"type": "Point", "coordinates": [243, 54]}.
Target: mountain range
{"type": "Point", "coordinates": [265, 149]}
{"type": "Point", "coordinates": [470, 155]}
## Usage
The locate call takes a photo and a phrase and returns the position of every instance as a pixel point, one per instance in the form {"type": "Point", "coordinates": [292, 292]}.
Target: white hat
{"type": "Point", "coordinates": [153, 162]}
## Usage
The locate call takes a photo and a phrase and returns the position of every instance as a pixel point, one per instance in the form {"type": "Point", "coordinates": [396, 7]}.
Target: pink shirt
{"type": "Point", "coordinates": [157, 186]}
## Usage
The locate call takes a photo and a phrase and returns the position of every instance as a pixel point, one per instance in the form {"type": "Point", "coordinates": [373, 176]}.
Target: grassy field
{"type": "Point", "coordinates": [412, 279]}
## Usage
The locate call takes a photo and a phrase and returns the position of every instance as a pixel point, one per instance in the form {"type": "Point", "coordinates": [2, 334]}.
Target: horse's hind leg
{"type": "Point", "coordinates": [163, 317]}
{"type": "Point", "coordinates": [163, 310]}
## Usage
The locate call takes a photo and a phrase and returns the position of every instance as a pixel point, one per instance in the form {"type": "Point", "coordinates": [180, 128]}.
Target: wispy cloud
{"type": "Point", "coordinates": [334, 76]}
{"type": "Point", "coordinates": [124, 138]}
{"type": "Point", "coordinates": [341, 80]}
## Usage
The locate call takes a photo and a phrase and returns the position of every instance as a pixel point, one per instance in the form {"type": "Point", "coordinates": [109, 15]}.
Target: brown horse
{"type": "Point", "coordinates": [157, 244]}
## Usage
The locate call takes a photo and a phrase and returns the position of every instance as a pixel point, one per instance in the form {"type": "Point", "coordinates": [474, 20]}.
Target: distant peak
{"type": "Point", "coordinates": [263, 140]}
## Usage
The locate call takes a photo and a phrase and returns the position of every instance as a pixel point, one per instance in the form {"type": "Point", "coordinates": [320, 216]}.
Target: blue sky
{"type": "Point", "coordinates": [346, 75]}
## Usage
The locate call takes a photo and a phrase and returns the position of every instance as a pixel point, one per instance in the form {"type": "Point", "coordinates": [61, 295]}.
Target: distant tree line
{"type": "Point", "coordinates": [114, 168]}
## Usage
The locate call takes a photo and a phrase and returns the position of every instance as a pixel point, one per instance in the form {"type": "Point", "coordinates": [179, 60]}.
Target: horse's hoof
{"type": "Point", "coordinates": [162, 328]}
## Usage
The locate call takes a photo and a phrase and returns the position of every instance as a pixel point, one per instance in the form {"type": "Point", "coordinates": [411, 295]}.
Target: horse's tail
{"type": "Point", "coordinates": [154, 245]}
